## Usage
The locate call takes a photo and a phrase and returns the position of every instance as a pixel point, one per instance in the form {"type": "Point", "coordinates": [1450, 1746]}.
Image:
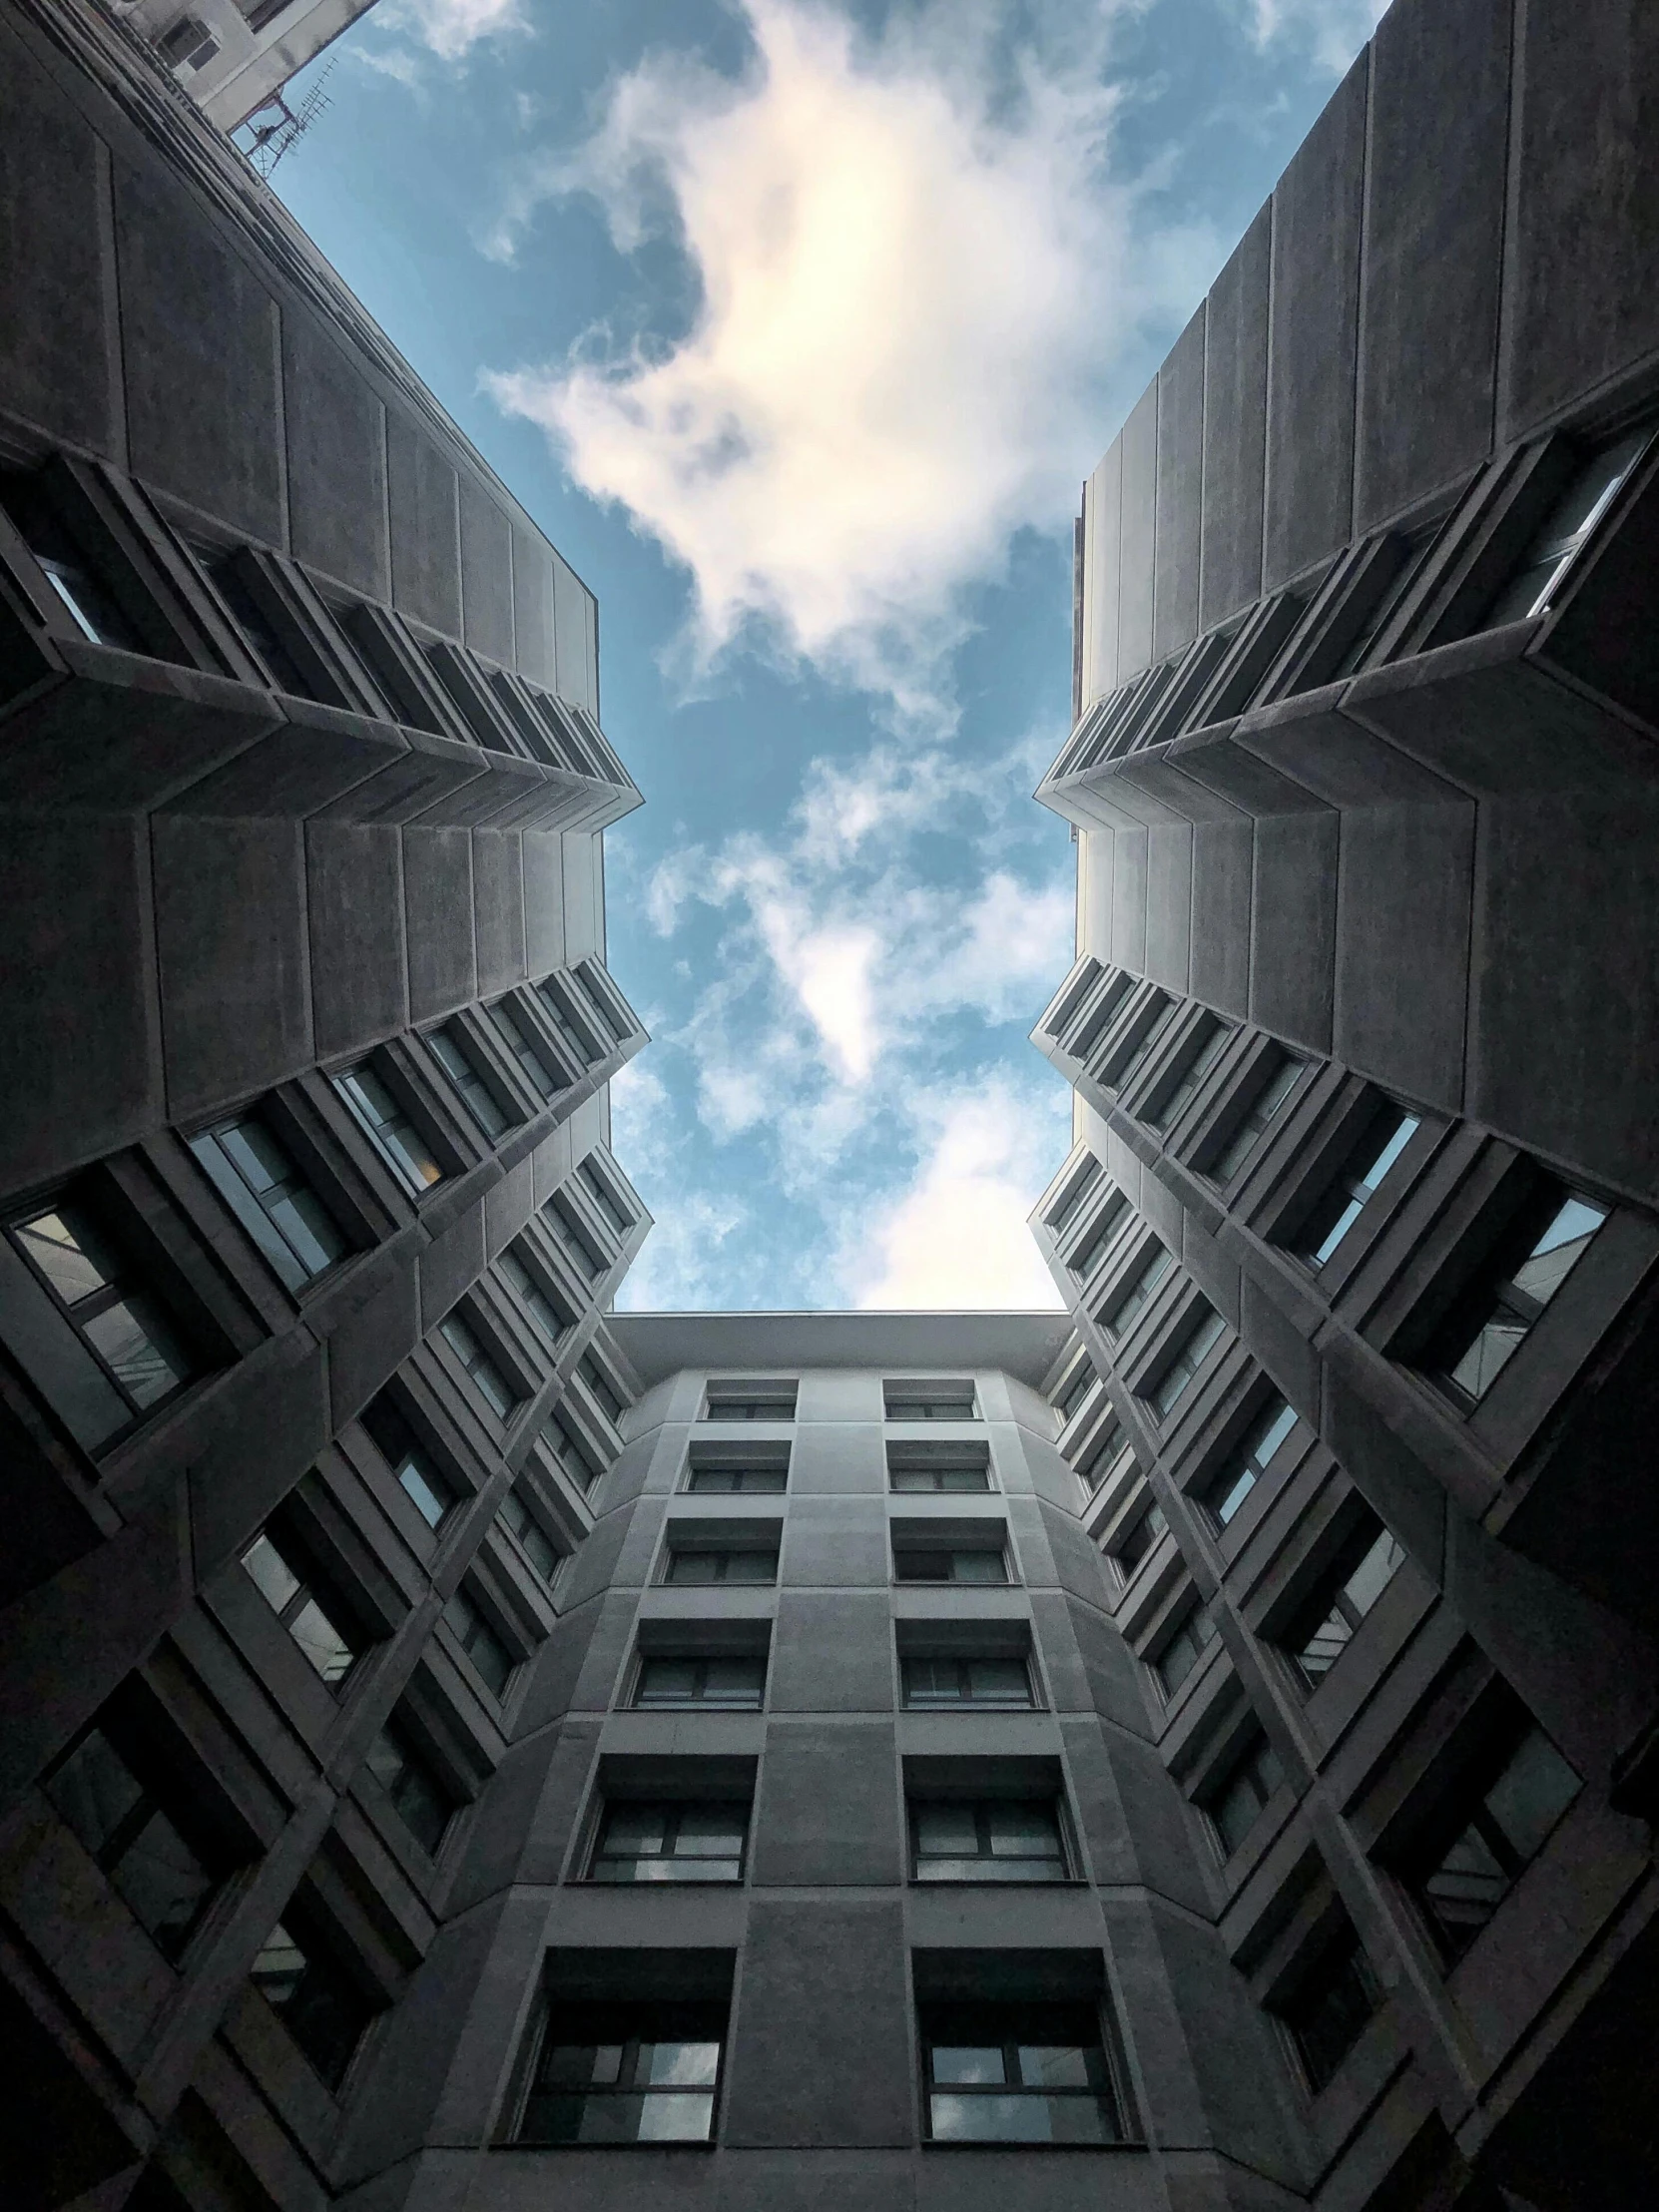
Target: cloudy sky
{"type": "Point", "coordinates": [796, 325]}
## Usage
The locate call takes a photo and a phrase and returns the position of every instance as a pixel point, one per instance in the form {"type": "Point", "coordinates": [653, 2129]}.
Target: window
{"type": "Point", "coordinates": [711, 1562]}
{"type": "Point", "coordinates": [604, 1198]}
{"type": "Point", "coordinates": [731, 1682]}
{"type": "Point", "coordinates": [313, 1997]}
{"type": "Point", "coordinates": [537, 1073]}
{"type": "Point", "coordinates": [738, 1402]}
{"type": "Point", "coordinates": [928, 1402]}
{"type": "Point", "coordinates": [431, 1495]}
{"type": "Point", "coordinates": [1091, 1250]}
{"type": "Point", "coordinates": [332, 1650]}
{"type": "Point", "coordinates": [1176, 1378]}
{"type": "Point", "coordinates": [1076, 1391]}
{"type": "Point", "coordinates": [161, 1874]}
{"type": "Point", "coordinates": [1104, 1456]}
{"type": "Point", "coordinates": [916, 1560]}
{"type": "Point", "coordinates": [188, 44]}
{"type": "Point", "coordinates": [1182, 1650]}
{"type": "Point", "coordinates": [1128, 1550]}
{"type": "Point", "coordinates": [481, 1643]}
{"type": "Point", "coordinates": [533, 1541]}
{"type": "Point", "coordinates": [1198, 1057]}
{"type": "Point", "coordinates": [673, 1841]}
{"type": "Point", "coordinates": [419, 1798]}
{"type": "Point", "coordinates": [481, 1371]}
{"type": "Point", "coordinates": [1275, 1081]}
{"type": "Point", "coordinates": [551, 1315]}
{"type": "Point", "coordinates": [1532, 588]}
{"type": "Point", "coordinates": [1325, 1627]}
{"type": "Point", "coordinates": [1491, 1325]}
{"type": "Point", "coordinates": [1329, 2005]}
{"type": "Point", "coordinates": [1236, 1801]}
{"type": "Point", "coordinates": [254, 1176]}
{"type": "Point", "coordinates": [1381, 1144]}
{"type": "Point", "coordinates": [581, 1049]}
{"type": "Point", "coordinates": [1072, 1201]}
{"type": "Point", "coordinates": [1492, 1830]}
{"type": "Point", "coordinates": [1129, 1301]}
{"type": "Point", "coordinates": [750, 1481]}
{"type": "Point", "coordinates": [626, 2073]}
{"type": "Point", "coordinates": [589, 1259]}
{"type": "Point", "coordinates": [1120, 1066]}
{"type": "Point", "coordinates": [137, 1360]}
{"type": "Point", "coordinates": [937, 1478]}
{"type": "Point", "coordinates": [392, 1132]}
{"type": "Point", "coordinates": [1244, 1468]}
{"type": "Point", "coordinates": [993, 1679]}
{"type": "Point", "coordinates": [480, 1101]}
{"type": "Point", "coordinates": [85, 595]}
{"type": "Point", "coordinates": [1033, 2073]}
{"type": "Point", "coordinates": [986, 1840]}
{"type": "Point", "coordinates": [599, 1382]}
{"type": "Point", "coordinates": [569, 1451]}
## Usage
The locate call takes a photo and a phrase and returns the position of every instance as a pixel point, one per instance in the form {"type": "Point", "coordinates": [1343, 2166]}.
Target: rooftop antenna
{"type": "Point", "coordinates": [275, 129]}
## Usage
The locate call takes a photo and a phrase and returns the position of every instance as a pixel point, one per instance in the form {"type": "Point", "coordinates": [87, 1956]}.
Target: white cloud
{"type": "Point", "coordinates": [446, 29]}
{"type": "Point", "coordinates": [958, 1237]}
{"type": "Point", "coordinates": [914, 274]}
{"type": "Point", "coordinates": [1335, 29]}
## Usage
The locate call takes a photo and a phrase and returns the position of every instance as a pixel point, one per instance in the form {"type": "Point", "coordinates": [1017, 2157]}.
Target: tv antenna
{"type": "Point", "coordinates": [276, 127]}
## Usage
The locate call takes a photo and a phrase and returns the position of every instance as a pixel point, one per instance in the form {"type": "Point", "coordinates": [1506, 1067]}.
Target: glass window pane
{"type": "Point", "coordinates": [977, 1567]}
{"type": "Point", "coordinates": [732, 1681]}
{"type": "Point", "coordinates": [679, 2065]}
{"type": "Point", "coordinates": [95, 1791]}
{"type": "Point", "coordinates": [1054, 2067]}
{"type": "Point", "coordinates": [1557, 1251]}
{"type": "Point", "coordinates": [709, 1831]}
{"type": "Point", "coordinates": [634, 1828]}
{"type": "Point", "coordinates": [677, 2118]}
{"type": "Point", "coordinates": [959, 2063]}
{"type": "Point", "coordinates": [1339, 1228]}
{"type": "Point", "coordinates": [946, 1830]}
{"type": "Point", "coordinates": [1024, 1831]}
{"type": "Point", "coordinates": [428, 1502]}
{"type": "Point", "coordinates": [124, 1336]}
{"type": "Point", "coordinates": [1374, 1573]}
{"type": "Point", "coordinates": [276, 1581]}
{"type": "Point", "coordinates": [57, 1252]}
{"type": "Point", "coordinates": [752, 1566]}
{"type": "Point", "coordinates": [278, 1966]}
{"type": "Point", "coordinates": [1532, 1794]}
{"type": "Point", "coordinates": [1465, 1889]}
{"type": "Point", "coordinates": [1492, 1352]}
{"type": "Point", "coordinates": [1325, 1645]}
{"type": "Point", "coordinates": [694, 1566]}
{"type": "Point", "coordinates": [308, 1227]}
{"type": "Point", "coordinates": [164, 1881]}
{"type": "Point", "coordinates": [995, 2119]}
{"type": "Point", "coordinates": [666, 1681]}
{"type": "Point", "coordinates": [321, 1642]}
{"type": "Point", "coordinates": [998, 1681]}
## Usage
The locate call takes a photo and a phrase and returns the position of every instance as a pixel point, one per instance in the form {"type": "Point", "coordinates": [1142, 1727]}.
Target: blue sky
{"type": "Point", "coordinates": [796, 327]}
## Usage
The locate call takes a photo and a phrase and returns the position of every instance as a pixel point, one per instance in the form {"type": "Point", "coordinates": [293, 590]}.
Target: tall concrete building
{"type": "Point", "coordinates": [233, 57]}
{"type": "Point", "coordinates": [467, 1749]}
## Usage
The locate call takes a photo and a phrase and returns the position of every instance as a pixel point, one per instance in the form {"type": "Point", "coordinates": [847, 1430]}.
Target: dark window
{"type": "Point", "coordinates": [1128, 1550]}
{"type": "Point", "coordinates": [1489, 1833]}
{"type": "Point", "coordinates": [1071, 1205]}
{"type": "Point", "coordinates": [85, 594]}
{"type": "Point", "coordinates": [481, 1643]}
{"type": "Point", "coordinates": [738, 1405]}
{"type": "Point", "coordinates": [570, 1451]}
{"type": "Point", "coordinates": [313, 1621]}
{"type": "Point", "coordinates": [626, 2073]}
{"type": "Point", "coordinates": [552, 1317]}
{"type": "Point", "coordinates": [1117, 1073]}
{"type": "Point", "coordinates": [1329, 2007]}
{"type": "Point", "coordinates": [1352, 1189]}
{"type": "Point", "coordinates": [1275, 1081]}
{"type": "Point", "coordinates": [1133, 1296]}
{"type": "Point", "coordinates": [314, 1999]}
{"type": "Point", "coordinates": [259, 13]}
{"type": "Point", "coordinates": [582, 1049]}
{"type": "Point", "coordinates": [599, 1382]}
{"type": "Point", "coordinates": [671, 1842]}
{"type": "Point", "coordinates": [537, 1073]}
{"type": "Point", "coordinates": [589, 1259]}
{"type": "Point", "coordinates": [431, 1495]}
{"type": "Point", "coordinates": [1181, 1653]}
{"type": "Point", "coordinates": [1104, 1454]}
{"type": "Point", "coordinates": [942, 1479]}
{"type": "Point", "coordinates": [722, 1563]}
{"type": "Point", "coordinates": [1198, 1057]}
{"type": "Point", "coordinates": [601, 1194]}
{"type": "Point", "coordinates": [1530, 590]}
{"type": "Point", "coordinates": [904, 1402]}
{"type": "Point", "coordinates": [1236, 1801]}
{"type": "Point", "coordinates": [481, 1371]}
{"type": "Point", "coordinates": [592, 995]}
{"type": "Point", "coordinates": [537, 1545]}
{"type": "Point", "coordinates": [481, 1102]}
{"type": "Point", "coordinates": [1343, 1598]}
{"type": "Point", "coordinates": [1176, 1378]}
{"type": "Point", "coordinates": [1076, 1391]}
{"type": "Point", "coordinates": [260, 1184]}
{"type": "Point", "coordinates": [1493, 1320]}
{"type": "Point", "coordinates": [749, 1482]}
{"type": "Point", "coordinates": [993, 1679]}
{"type": "Point", "coordinates": [734, 1681]}
{"type": "Point", "coordinates": [1240, 1473]}
{"type": "Point", "coordinates": [157, 1869]}
{"type": "Point", "coordinates": [986, 1840]}
{"type": "Point", "coordinates": [394, 1136]}
{"type": "Point", "coordinates": [136, 1351]}
{"type": "Point", "coordinates": [1092, 1250]}
{"type": "Point", "coordinates": [422, 1803]}
{"type": "Point", "coordinates": [955, 1562]}
{"type": "Point", "coordinates": [1033, 2073]}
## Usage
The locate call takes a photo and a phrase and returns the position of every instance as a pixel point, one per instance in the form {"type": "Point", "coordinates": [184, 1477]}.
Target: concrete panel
{"type": "Point", "coordinates": [575, 661]}
{"type": "Point", "coordinates": [1139, 535]}
{"type": "Point", "coordinates": [1128, 923]}
{"type": "Point", "coordinates": [425, 528]}
{"type": "Point", "coordinates": [354, 911]}
{"type": "Point", "coordinates": [835, 1541]}
{"type": "Point", "coordinates": [542, 860]}
{"type": "Point", "coordinates": [1294, 926]}
{"type": "Point", "coordinates": [840, 1460]}
{"type": "Point", "coordinates": [56, 306]}
{"type": "Point", "coordinates": [1224, 871]}
{"type": "Point", "coordinates": [498, 907]}
{"type": "Point", "coordinates": [199, 339]}
{"type": "Point", "coordinates": [1180, 491]}
{"type": "Point", "coordinates": [337, 439]}
{"type": "Point", "coordinates": [829, 1979]}
{"type": "Point", "coordinates": [1169, 903]}
{"type": "Point", "coordinates": [832, 1653]}
{"type": "Point", "coordinates": [373, 1335]}
{"type": "Point", "coordinates": [77, 896]}
{"type": "Point", "coordinates": [1439, 122]}
{"type": "Point", "coordinates": [1583, 162]}
{"type": "Point", "coordinates": [829, 1813]}
{"type": "Point", "coordinates": [438, 918]}
{"type": "Point", "coordinates": [234, 976]}
{"type": "Point", "coordinates": [532, 607]}
{"type": "Point", "coordinates": [1311, 356]}
{"type": "Point", "coordinates": [486, 572]}
{"type": "Point", "coordinates": [1234, 426]}
{"type": "Point", "coordinates": [1406, 880]}
{"type": "Point", "coordinates": [277, 1424]}
{"type": "Point", "coordinates": [1103, 517]}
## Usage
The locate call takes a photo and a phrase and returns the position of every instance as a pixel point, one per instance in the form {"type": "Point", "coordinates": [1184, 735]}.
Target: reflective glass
{"type": "Point", "coordinates": [276, 1581]}
{"type": "Point", "coordinates": [124, 1338]}
{"type": "Point", "coordinates": [321, 1642]}
{"type": "Point", "coordinates": [95, 1791]}
{"type": "Point", "coordinates": [1532, 1794]}
{"type": "Point", "coordinates": [164, 1881]}
{"type": "Point", "coordinates": [59, 1255]}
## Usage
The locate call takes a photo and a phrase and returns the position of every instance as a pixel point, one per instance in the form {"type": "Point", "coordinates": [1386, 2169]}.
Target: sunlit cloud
{"type": "Point", "coordinates": [916, 270]}
{"type": "Point", "coordinates": [1334, 30]}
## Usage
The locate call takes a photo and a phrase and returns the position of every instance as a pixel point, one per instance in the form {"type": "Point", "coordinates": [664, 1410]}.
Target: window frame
{"type": "Point", "coordinates": [249, 1208]}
